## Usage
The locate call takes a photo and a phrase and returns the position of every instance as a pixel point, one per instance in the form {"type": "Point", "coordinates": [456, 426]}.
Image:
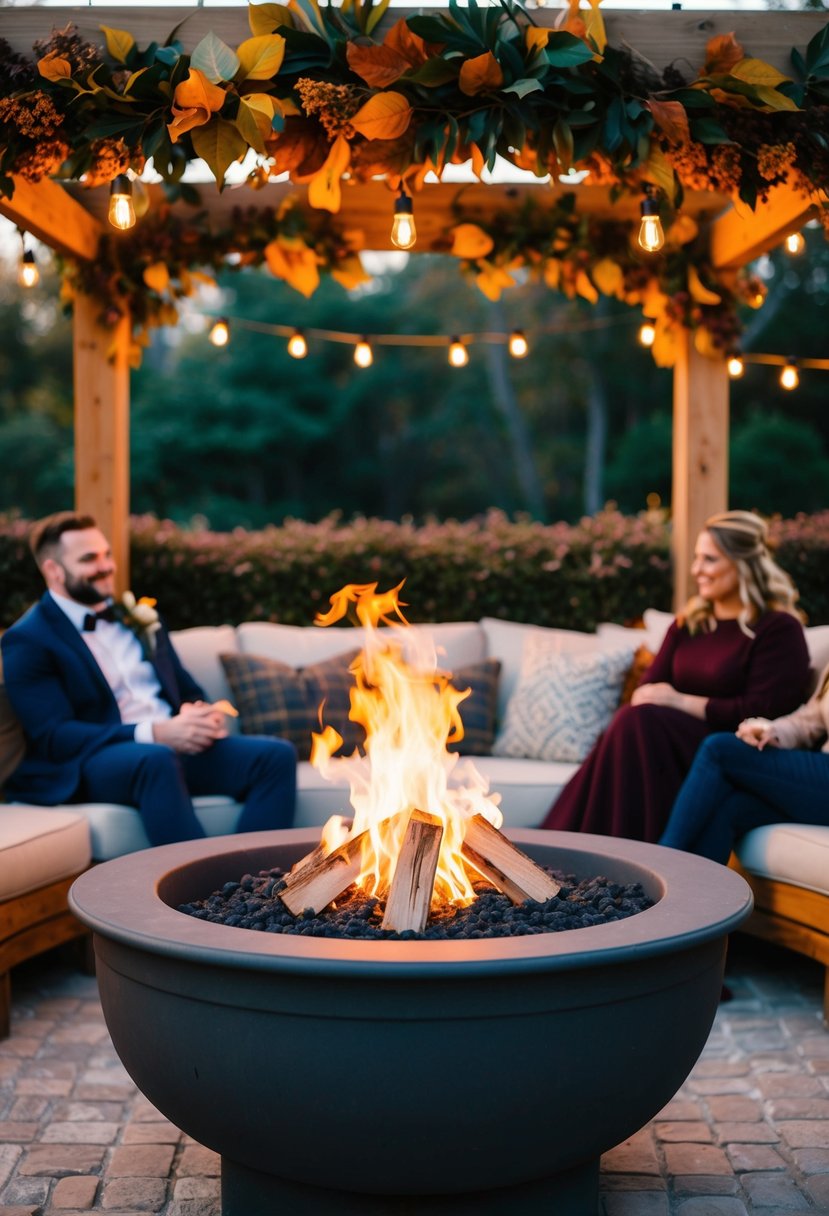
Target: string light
{"type": "Point", "coordinates": [647, 334]}
{"type": "Point", "coordinates": [458, 353]}
{"type": "Point", "coordinates": [403, 230]}
{"type": "Point", "coordinates": [297, 345]}
{"type": "Point", "coordinates": [518, 346]}
{"type": "Point", "coordinates": [363, 354]}
{"type": "Point", "coordinates": [795, 243]}
{"type": "Point", "coordinates": [28, 274]}
{"type": "Point", "coordinates": [736, 367]}
{"type": "Point", "coordinates": [121, 207]}
{"type": "Point", "coordinates": [790, 377]}
{"type": "Point", "coordinates": [220, 332]}
{"type": "Point", "coordinates": [651, 235]}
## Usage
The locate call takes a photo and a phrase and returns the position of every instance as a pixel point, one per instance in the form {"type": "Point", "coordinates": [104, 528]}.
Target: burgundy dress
{"type": "Point", "coordinates": [628, 783]}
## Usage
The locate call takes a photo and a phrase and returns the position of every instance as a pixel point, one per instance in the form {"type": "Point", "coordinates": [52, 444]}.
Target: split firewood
{"type": "Point", "coordinates": [504, 865]}
{"type": "Point", "coordinates": [410, 893]}
{"type": "Point", "coordinates": [315, 886]}
{"type": "Point", "coordinates": [341, 828]}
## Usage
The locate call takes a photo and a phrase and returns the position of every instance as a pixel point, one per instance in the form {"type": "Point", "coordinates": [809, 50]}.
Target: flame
{"type": "Point", "coordinates": [410, 712]}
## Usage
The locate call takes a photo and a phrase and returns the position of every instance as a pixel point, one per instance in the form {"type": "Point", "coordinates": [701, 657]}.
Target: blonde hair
{"type": "Point", "coordinates": [742, 537]}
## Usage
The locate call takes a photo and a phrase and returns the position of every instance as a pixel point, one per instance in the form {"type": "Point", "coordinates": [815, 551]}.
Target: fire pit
{"type": "Point", "coordinates": [399, 1077]}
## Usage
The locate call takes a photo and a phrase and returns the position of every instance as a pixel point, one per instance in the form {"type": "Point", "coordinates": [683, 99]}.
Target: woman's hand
{"type": "Point", "coordinates": [758, 732]}
{"type": "Point", "coordinates": [658, 694]}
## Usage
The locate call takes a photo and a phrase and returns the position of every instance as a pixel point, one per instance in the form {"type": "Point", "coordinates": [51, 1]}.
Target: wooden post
{"type": "Point", "coordinates": [102, 448]}
{"type": "Point", "coordinates": [700, 454]}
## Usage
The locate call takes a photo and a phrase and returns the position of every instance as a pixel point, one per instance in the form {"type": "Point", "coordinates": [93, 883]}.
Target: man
{"type": "Point", "coordinates": [111, 715]}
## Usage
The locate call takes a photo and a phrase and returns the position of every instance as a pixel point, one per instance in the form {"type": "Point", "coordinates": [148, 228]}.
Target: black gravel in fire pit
{"type": "Point", "coordinates": [253, 903]}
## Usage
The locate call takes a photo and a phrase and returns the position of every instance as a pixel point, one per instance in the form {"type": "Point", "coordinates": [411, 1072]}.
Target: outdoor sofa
{"type": "Point", "coordinates": [528, 725]}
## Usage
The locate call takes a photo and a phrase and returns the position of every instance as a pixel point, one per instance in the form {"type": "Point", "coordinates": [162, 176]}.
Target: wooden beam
{"type": "Point", "coordinates": [662, 37]}
{"type": "Point", "coordinates": [50, 214]}
{"type": "Point", "coordinates": [102, 450]}
{"type": "Point", "coordinates": [700, 454]}
{"type": "Point", "coordinates": [740, 235]}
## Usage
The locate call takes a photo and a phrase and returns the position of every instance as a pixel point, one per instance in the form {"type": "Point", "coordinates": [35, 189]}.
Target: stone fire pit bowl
{"type": "Point", "coordinates": [364, 1078]}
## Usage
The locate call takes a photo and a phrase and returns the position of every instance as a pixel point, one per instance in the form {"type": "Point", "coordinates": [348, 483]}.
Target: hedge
{"type": "Point", "coordinates": [607, 567]}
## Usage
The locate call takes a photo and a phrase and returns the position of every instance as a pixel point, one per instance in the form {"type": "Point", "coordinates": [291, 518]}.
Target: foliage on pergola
{"type": "Point", "coordinates": [322, 95]}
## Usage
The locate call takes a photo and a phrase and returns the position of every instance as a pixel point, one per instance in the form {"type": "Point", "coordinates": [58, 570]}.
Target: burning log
{"type": "Point", "coordinates": [315, 884]}
{"type": "Point", "coordinates": [410, 893]}
{"type": "Point", "coordinates": [504, 865]}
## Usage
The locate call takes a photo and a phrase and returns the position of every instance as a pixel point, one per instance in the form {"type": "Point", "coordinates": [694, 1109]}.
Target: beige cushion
{"type": "Point", "coordinates": [788, 852]}
{"type": "Point", "coordinates": [12, 742]}
{"type": "Point", "coordinates": [454, 644]}
{"type": "Point", "coordinates": [39, 846]}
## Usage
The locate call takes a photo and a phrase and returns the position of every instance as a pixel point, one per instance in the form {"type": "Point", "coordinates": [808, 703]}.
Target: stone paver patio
{"type": "Point", "coordinates": [747, 1134]}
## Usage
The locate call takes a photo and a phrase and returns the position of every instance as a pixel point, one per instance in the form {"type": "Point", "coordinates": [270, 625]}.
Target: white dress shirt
{"type": "Point", "coordinates": [133, 679]}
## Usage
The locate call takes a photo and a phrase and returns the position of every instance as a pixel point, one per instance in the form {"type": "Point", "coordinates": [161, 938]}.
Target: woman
{"type": "Point", "coordinates": [737, 649]}
{"type": "Point", "coordinates": [766, 773]}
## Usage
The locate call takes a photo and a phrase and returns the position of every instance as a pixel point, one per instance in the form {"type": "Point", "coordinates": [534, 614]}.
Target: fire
{"type": "Point", "coordinates": [410, 712]}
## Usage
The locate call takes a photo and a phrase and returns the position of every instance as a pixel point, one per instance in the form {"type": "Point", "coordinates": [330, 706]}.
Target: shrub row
{"type": "Point", "coordinates": [608, 567]}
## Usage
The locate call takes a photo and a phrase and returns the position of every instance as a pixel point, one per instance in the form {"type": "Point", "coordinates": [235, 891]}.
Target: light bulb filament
{"type": "Point", "coordinates": [403, 231]}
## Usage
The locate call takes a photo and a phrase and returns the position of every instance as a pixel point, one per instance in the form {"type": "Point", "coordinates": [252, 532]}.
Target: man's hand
{"type": "Point", "coordinates": [758, 732]}
{"type": "Point", "coordinates": [194, 728]}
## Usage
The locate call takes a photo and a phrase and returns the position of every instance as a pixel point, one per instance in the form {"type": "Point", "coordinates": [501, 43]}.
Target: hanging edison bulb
{"type": "Point", "coordinates": [790, 377]}
{"type": "Point", "coordinates": [518, 346]}
{"type": "Point", "coordinates": [651, 235]}
{"type": "Point", "coordinates": [297, 345]}
{"type": "Point", "coordinates": [121, 207]}
{"type": "Point", "coordinates": [28, 274]}
{"type": "Point", "coordinates": [458, 353]}
{"type": "Point", "coordinates": [647, 334]}
{"type": "Point", "coordinates": [220, 332]}
{"type": "Point", "coordinates": [403, 230]}
{"type": "Point", "coordinates": [795, 243]}
{"type": "Point", "coordinates": [735, 366]}
{"type": "Point", "coordinates": [363, 354]}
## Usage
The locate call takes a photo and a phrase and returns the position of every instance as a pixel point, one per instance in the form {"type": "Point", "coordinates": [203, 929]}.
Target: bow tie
{"type": "Point", "coordinates": [91, 619]}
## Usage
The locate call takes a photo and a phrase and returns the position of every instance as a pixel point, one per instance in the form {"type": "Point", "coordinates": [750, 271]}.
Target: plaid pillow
{"type": "Point", "coordinates": [275, 699]}
{"type": "Point", "coordinates": [478, 710]}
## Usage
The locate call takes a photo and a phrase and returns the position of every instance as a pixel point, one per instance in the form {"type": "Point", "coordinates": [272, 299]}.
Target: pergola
{"type": "Point", "coordinates": [71, 222]}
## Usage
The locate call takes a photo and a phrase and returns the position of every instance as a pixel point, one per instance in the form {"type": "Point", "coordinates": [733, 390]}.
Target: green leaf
{"type": "Point", "coordinates": [563, 143]}
{"type": "Point", "coordinates": [708, 131]}
{"type": "Point", "coordinates": [522, 87]}
{"type": "Point", "coordinates": [219, 144]}
{"type": "Point", "coordinates": [215, 59]}
{"type": "Point", "coordinates": [564, 50]}
{"type": "Point", "coordinates": [435, 72]}
{"type": "Point", "coordinates": [817, 53]}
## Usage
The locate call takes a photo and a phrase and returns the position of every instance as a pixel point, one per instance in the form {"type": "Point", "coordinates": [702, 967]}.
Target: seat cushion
{"type": "Point", "coordinates": [788, 852]}
{"type": "Point", "coordinates": [115, 829]}
{"type": "Point", "coordinates": [39, 846]}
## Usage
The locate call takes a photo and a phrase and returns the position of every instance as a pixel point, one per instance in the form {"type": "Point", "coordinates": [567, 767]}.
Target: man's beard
{"type": "Point", "coordinates": [82, 590]}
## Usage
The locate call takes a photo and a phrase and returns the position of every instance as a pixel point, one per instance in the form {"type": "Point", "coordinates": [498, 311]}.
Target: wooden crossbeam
{"type": "Point", "coordinates": [740, 235]}
{"type": "Point", "coordinates": [50, 214]}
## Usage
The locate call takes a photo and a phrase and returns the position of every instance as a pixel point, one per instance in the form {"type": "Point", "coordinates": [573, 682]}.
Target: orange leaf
{"type": "Point", "coordinates": [377, 65]}
{"type": "Point", "coordinates": [384, 116]}
{"type": "Point", "coordinates": [53, 67]}
{"type": "Point", "coordinates": [289, 258]}
{"type": "Point", "coordinates": [470, 241]}
{"type": "Point", "coordinates": [301, 149]}
{"type": "Point", "coordinates": [492, 280]}
{"type": "Point", "coordinates": [721, 54]}
{"type": "Point", "coordinates": [536, 38]}
{"type": "Point", "coordinates": [324, 189]}
{"type": "Point", "coordinates": [482, 72]}
{"type": "Point", "coordinates": [671, 118]}
{"type": "Point", "coordinates": [407, 44]}
{"type": "Point", "coordinates": [194, 102]}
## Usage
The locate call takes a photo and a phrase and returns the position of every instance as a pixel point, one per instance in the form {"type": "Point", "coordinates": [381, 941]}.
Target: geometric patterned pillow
{"type": "Point", "coordinates": [275, 699]}
{"type": "Point", "coordinates": [562, 702]}
{"type": "Point", "coordinates": [478, 710]}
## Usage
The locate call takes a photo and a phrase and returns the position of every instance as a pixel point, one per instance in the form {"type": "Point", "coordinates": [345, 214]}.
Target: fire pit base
{"type": "Point", "coordinates": [246, 1192]}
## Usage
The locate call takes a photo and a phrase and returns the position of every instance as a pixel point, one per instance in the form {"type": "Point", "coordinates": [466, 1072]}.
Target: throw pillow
{"type": "Point", "coordinates": [562, 703]}
{"type": "Point", "coordinates": [275, 699]}
{"type": "Point", "coordinates": [641, 662]}
{"type": "Point", "coordinates": [479, 708]}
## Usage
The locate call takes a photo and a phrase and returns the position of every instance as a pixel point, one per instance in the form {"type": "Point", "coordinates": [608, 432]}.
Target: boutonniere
{"type": "Point", "coordinates": [141, 617]}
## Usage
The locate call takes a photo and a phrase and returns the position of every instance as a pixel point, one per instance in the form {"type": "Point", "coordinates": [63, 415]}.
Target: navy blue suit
{"type": "Point", "coordinates": [78, 749]}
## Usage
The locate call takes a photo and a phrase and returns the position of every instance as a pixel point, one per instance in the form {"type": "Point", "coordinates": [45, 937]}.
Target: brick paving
{"type": "Point", "coordinates": [746, 1135]}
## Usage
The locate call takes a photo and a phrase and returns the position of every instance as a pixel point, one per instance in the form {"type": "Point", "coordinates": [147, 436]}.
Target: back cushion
{"type": "Point", "coordinates": [457, 643]}
{"type": "Point", "coordinates": [199, 651]}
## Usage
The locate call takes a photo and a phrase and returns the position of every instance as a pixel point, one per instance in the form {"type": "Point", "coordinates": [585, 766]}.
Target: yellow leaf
{"type": "Point", "coordinates": [536, 38]}
{"type": "Point", "coordinates": [609, 277]}
{"type": "Point", "coordinates": [350, 272]}
{"type": "Point", "coordinates": [261, 57]}
{"type": "Point", "coordinates": [654, 301]}
{"type": "Point", "coordinates": [119, 42]}
{"type": "Point", "coordinates": [552, 273]}
{"type": "Point", "coordinates": [324, 189]}
{"type": "Point", "coordinates": [757, 71]}
{"type": "Point", "coordinates": [53, 67]}
{"type": "Point", "coordinates": [664, 348]}
{"type": "Point", "coordinates": [585, 287]}
{"type": "Point", "coordinates": [492, 280]}
{"type": "Point", "coordinates": [682, 230]}
{"type": "Point", "coordinates": [384, 116]}
{"type": "Point", "coordinates": [775, 100]}
{"type": "Point", "coordinates": [470, 241]}
{"type": "Point", "coordinates": [219, 144]}
{"type": "Point", "coordinates": [659, 170]}
{"type": "Point", "coordinates": [594, 26]}
{"type": "Point", "coordinates": [289, 258]}
{"type": "Point", "coordinates": [157, 277]}
{"type": "Point", "coordinates": [254, 124]}
{"type": "Point", "coordinates": [481, 73]}
{"type": "Point", "coordinates": [265, 18]}
{"type": "Point", "coordinates": [704, 344]}
{"type": "Point", "coordinates": [699, 291]}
